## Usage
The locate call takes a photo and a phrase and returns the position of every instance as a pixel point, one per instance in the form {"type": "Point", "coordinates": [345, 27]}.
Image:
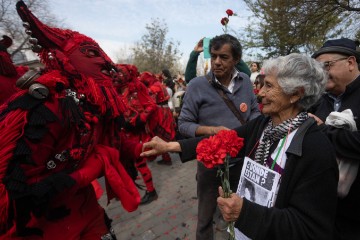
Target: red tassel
{"type": "Point", "coordinates": [4, 206]}
{"type": "Point", "coordinates": [11, 128]}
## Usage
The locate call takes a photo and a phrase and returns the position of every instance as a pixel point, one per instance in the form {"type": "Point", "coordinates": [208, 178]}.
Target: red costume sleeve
{"type": "Point", "coordinates": [119, 183]}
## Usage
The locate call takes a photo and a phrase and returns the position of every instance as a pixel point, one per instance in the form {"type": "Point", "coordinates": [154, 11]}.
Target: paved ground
{"type": "Point", "coordinates": [172, 216]}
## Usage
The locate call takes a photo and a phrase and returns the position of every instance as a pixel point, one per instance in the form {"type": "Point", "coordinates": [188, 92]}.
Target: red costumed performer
{"type": "Point", "coordinates": [140, 108]}
{"type": "Point", "coordinates": [58, 135]}
{"type": "Point", "coordinates": [162, 122]}
{"type": "Point", "coordinates": [9, 73]}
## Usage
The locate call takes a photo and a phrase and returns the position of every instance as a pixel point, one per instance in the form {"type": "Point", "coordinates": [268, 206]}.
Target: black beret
{"type": "Point", "coordinates": [343, 46]}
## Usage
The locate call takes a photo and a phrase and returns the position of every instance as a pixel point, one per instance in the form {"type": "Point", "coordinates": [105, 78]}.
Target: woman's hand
{"type": "Point", "coordinates": [158, 146]}
{"type": "Point", "coordinates": [230, 207]}
{"type": "Point", "coordinates": [317, 119]}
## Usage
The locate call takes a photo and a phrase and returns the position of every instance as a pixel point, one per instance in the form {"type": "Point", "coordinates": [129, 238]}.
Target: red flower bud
{"type": "Point", "coordinates": [229, 12]}
{"type": "Point", "coordinates": [224, 21]}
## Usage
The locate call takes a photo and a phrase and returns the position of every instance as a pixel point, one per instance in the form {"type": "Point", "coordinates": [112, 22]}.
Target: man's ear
{"type": "Point", "coordinates": [352, 63]}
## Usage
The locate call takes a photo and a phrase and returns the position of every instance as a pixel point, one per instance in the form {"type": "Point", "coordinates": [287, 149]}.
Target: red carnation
{"type": "Point", "coordinates": [231, 142]}
{"type": "Point", "coordinates": [217, 150]}
{"type": "Point", "coordinates": [229, 12]}
{"type": "Point", "coordinates": [224, 21]}
{"type": "Point", "coordinates": [212, 151]}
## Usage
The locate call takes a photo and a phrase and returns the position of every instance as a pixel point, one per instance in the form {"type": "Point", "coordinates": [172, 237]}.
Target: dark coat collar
{"type": "Point", "coordinates": [296, 145]}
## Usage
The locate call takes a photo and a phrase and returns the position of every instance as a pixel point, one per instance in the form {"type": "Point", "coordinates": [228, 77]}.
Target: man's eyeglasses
{"type": "Point", "coordinates": [329, 64]}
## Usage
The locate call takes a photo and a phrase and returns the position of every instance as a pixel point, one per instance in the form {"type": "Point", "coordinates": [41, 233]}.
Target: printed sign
{"type": "Point", "coordinates": [257, 184]}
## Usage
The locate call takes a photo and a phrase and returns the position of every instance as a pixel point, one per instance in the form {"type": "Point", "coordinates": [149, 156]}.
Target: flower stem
{"type": "Point", "coordinates": [231, 230]}
{"type": "Point", "coordinates": [225, 178]}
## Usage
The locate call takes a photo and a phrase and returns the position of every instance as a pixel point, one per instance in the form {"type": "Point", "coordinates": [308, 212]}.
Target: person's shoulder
{"type": "Point", "coordinates": [259, 121]}
{"type": "Point", "coordinates": [317, 144]}
{"type": "Point", "coordinates": [169, 91]}
{"type": "Point", "coordinates": [243, 75]}
{"type": "Point", "coordinates": [179, 93]}
{"type": "Point", "coordinates": [197, 82]}
{"type": "Point", "coordinates": [242, 67]}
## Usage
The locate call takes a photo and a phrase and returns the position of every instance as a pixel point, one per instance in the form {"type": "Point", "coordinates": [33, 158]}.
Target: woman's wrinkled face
{"type": "Point", "coordinates": [274, 100]}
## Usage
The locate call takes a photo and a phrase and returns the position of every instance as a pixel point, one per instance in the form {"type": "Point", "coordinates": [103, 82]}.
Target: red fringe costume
{"type": "Point", "coordinates": [162, 123]}
{"type": "Point", "coordinates": [9, 73]}
{"type": "Point", "coordinates": [140, 109]}
{"type": "Point", "coordinates": [54, 145]}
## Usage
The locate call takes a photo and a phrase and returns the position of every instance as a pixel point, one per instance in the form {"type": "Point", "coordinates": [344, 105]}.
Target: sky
{"type": "Point", "coordinates": [117, 24]}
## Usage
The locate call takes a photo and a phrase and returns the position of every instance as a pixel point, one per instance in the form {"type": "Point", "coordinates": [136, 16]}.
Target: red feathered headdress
{"type": "Point", "coordinates": [76, 55]}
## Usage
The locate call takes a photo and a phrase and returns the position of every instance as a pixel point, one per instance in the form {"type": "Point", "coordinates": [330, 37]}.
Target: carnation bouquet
{"type": "Point", "coordinates": [216, 151]}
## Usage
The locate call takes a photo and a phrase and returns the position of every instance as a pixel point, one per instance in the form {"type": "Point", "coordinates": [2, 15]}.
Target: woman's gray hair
{"type": "Point", "coordinates": [296, 71]}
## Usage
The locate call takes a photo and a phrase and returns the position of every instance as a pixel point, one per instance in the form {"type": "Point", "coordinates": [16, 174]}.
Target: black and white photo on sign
{"type": "Point", "coordinates": [257, 183]}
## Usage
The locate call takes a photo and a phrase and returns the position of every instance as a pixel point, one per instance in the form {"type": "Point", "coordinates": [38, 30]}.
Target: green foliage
{"type": "Point", "coordinates": [281, 27]}
{"type": "Point", "coordinates": [357, 35]}
{"type": "Point", "coordinates": [154, 52]}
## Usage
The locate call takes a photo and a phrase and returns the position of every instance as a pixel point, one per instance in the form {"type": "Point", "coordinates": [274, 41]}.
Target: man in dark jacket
{"type": "Point", "coordinates": [341, 58]}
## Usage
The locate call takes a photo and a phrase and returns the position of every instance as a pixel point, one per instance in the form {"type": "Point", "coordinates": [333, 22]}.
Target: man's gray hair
{"type": "Point", "coordinates": [296, 71]}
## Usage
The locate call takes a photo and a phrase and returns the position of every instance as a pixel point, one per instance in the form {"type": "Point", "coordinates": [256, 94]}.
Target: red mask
{"type": "Point", "coordinates": [67, 50]}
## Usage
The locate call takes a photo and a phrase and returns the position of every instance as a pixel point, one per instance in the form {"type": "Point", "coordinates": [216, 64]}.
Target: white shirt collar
{"type": "Point", "coordinates": [232, 81]}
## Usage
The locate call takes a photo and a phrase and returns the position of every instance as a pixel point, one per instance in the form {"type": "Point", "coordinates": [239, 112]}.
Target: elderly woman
{"type": "Point", "coordinates": [296, 196]}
